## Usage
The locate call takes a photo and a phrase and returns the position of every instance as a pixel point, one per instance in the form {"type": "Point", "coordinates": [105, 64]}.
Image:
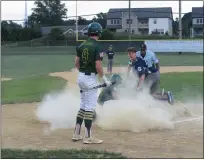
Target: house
{"type": "Point", "coordinates": [67, 30]}
{"type": "Point", "coordinates": [197, 21]}
{"type": "Point", "coordinates": [143, 20]}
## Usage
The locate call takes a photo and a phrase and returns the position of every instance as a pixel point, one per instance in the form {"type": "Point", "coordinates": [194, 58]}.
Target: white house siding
{"type": "Point", "coordinates": [170, 27]}
{"type": "Point", "coordinates": [118, 22]}
{"type": "Point", "coordinates": [134, 25]}
{"type": "Point", "coordinates": [164, 24]}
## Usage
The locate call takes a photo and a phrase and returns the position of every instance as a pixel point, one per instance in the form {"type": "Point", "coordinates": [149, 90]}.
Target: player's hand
{"type": "Point", "coordinates": [106, 81]}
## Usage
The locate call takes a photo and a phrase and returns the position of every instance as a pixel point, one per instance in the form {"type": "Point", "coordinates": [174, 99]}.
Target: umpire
{"type": "Point", "coordinates": [110, 53]}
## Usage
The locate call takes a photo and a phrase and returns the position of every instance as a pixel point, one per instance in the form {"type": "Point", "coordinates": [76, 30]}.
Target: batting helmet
{"type": "Point", "coordinates": [94, 29]}
{"type": "Point", "coordinates": [116, 78]}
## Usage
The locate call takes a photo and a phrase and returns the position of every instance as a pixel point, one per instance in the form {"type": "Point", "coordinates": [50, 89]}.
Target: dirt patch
{"type": "Point", "coordinates": [21, 129]}
{"type": "Point", "coordinates": [72, 76]}
{"type": "Point", "coordinates": [6, 79]}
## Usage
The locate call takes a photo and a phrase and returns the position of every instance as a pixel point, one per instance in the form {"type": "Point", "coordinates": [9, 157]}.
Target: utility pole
{"type": "Point", "coordinates": [26, 15]}
{"type": "Point", "coordinates": [129, 20]}
{"type": "Point", "coordinates": [76, 23]}
{"type": "Point", "coordinates": [180, 21]}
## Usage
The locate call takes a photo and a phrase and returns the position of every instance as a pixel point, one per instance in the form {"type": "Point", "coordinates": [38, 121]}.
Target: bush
{"type": "Point", "coordinates": [56, 34]}
{"type": "Point", "coordinates": [107, 35]}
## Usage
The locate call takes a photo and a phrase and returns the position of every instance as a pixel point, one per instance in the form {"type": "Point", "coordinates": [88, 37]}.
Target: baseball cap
{"type": "Point", "coordinates": [143, 47]}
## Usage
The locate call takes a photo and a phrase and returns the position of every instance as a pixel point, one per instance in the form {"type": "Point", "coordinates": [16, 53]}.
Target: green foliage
{"type": "Point", "coordinates": [14, 32]}
{"type": "Point", "coordinates": [59, 154]}
{"type": "Point", "coordinates": [47, 13]}
{"type": "Point", "coordinates": [107, 35]}
{"type": "Point", "coordinates": [56, 34]}
{"type": "Point", "coordinates": [30, 89]}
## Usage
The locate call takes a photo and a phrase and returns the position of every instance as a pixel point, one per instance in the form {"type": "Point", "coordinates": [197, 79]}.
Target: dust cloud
{"type": "Point", "coordinates": [131, 112]}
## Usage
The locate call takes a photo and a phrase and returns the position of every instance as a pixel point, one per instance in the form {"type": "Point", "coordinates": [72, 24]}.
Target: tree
{"type": "Point", "coordinates": [82, 21]}
{"type": "Point", "coordinates": [56, 34]}
{"type": "Point", "coordinates": [47, 13]}
{"type": "Point", "coordinates": [186, 24]}
{"type": "Point", "coordinates": [175, 27]}
{"type": "Point", "coordinates": [101, 18]}
{"type": "Point", "coordinates": [107, 35]}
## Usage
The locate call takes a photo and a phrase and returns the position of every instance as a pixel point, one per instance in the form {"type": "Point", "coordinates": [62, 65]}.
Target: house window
{"type": "Point", "coordinates": [197, 21]}
{"type": "Point", "coordinates": [201, 21]}
{"type": "Point", "coordinates": [155, 21]}
{"type": "Point", "coordinates": [111, 21]}
{"type": "Point", "coordinates": [118, 21]}
{"type": "Point", "coordinates": [127, 21]}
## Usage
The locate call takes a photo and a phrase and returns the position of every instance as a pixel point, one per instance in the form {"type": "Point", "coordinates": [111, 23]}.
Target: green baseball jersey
{"type": "Point", "coordinates": [89, 52]}
{"type": "Point", "coordinates": [106, 94]}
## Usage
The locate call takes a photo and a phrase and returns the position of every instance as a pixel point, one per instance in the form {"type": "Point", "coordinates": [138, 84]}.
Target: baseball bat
{"type": "Point", "coordinates": [96, 87]}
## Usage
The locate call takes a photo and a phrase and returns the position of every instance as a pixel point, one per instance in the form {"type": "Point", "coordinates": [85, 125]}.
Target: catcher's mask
{"type": "Point", "coordinates": [116, 78]}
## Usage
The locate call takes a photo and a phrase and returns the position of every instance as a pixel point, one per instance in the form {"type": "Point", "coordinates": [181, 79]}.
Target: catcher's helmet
{"type": "Point", "coordinates": [116, 78]}
{"type": "Point", "coordinates": [95, 28]}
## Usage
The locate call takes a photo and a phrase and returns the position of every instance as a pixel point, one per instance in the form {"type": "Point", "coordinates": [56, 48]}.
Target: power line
{"type": "Point", "coordinates": [86, 15]}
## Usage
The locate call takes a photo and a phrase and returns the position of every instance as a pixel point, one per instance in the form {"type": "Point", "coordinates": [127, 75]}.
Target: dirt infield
{"type": "Point", "coordinates": [21, 129]}
{"type": "Point", "coordinates": [5, 79]}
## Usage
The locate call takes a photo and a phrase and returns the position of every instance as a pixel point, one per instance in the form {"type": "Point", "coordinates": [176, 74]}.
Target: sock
{"type": "Point", "coordinates": [79, 121]}
{"type": "Point", "coordinates": [88, 123]}
{"type": "Point", "coordinates": [159, 96]}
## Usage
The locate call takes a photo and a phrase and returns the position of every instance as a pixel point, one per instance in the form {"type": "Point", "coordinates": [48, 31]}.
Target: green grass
{"type": "Point", "coordinates": [26, 65]}
{"type": "Point", "coordinates": [59, 154]}
{"type": "Point", "coordinates": [183, 85]}
{"type": "Point", "coordinates": [20, 66]}
{"type": "Point", "coordinates": [30, 89]}
{"type": "Point", "coordinates": [56, 50]}
{"type": "Point", "coordinates": [165, 60]}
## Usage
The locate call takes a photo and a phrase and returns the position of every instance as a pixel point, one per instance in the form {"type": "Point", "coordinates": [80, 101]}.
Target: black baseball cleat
{"type": "Point", "coordinates": [170, 98]}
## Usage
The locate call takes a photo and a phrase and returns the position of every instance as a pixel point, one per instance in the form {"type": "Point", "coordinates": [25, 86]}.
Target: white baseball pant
{"type": "Point", "coordinates": [88, 98]}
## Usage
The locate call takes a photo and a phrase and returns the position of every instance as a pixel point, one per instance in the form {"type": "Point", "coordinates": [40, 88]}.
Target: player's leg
{"type": "Point", "coordinates": [90, 105]}
{"type": "Point", "coordinates": [108, 68]}
{"type": "Point", "coordinates": [166, 96]}
{"type": "Point", "coordinates": [111, 65]}
{"type": "Point", "coordinates": [81, 112]}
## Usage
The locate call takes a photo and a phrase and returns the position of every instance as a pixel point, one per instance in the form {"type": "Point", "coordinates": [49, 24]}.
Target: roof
{"type": "Point", "coordinates": [197, 12]}
{"type": "Point", "coordinates": [165, 12]}
{"type": "Point", "coordinates": [46, 30]}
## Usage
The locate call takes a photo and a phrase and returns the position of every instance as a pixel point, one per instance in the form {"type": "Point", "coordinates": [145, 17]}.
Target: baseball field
{"type": "Point", "coordinates": [29, 74]}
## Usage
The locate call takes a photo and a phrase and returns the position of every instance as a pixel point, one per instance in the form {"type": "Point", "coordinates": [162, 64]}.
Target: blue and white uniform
{"type": "Point", "coordinates": [150, 59]}
{"type": "Point", "coordinates": [153, 76]}
{"type": "Point", "coordinates": [139, 66]}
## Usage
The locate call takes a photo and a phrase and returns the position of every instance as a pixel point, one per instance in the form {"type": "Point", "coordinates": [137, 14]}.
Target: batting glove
{"type": "Point", "coordinates": [107, 82]}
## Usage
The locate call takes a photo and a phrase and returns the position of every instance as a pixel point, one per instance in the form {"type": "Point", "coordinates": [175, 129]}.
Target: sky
{"type": "Point", "coordinates": [15, 10]}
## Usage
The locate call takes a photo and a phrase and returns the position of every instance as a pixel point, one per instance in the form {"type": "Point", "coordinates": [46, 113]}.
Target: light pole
{"type": "Point", "coordinates": [26, 15]}
{"type": "Point", "coordinates": [180, 21]}
{"type": "Point", "coordinates": [76, 23]}
{"type": "Point", "coordinates": [129, 20]}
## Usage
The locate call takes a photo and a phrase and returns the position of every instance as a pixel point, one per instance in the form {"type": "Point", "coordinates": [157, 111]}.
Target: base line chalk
{"type": "Point", "coordinates": [188, 120]}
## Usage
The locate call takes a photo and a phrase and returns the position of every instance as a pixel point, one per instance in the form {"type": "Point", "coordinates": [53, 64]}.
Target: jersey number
{"type": "Point", "coordinates": [85, 55]}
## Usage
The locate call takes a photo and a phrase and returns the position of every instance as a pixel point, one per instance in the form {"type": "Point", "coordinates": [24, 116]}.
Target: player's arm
{"type": "Point", "coordinates": [114, 93]}
{"type": "Point", "coordinates": [141, 74]}
{"type": "Point", "coordinates": [77, 64]}
{"type": "Point", "coordinates": [129, 68]}
{"type": "Point", "coordinates": [99, 68]}
{"type": "Point", "coordinates": [141, 80]}
{"type": "Point", "coordinates": [155, 61]}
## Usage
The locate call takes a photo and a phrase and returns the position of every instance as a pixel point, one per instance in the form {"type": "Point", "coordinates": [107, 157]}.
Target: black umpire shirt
{"type": "Point", "coordinates": [110, 54]}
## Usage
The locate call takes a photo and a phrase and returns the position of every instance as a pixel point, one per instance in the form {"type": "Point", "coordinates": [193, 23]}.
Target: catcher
{"type": "Point", "coordinates": [110, 93]}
